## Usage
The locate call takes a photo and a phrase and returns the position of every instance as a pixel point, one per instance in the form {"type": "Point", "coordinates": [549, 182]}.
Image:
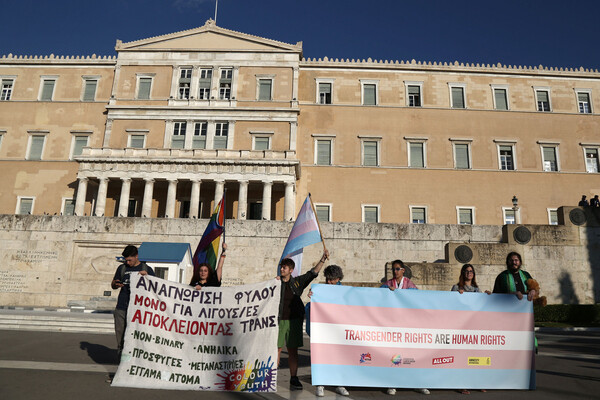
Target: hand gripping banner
{"type": "Point", "coordinates": [210, 339]}
{"type": "Point", "coordinates": [420, 339]}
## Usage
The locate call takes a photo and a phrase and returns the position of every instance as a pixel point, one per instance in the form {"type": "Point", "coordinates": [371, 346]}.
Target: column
{"type": "Point", "coordinates": [147, 201]}
{"type": "Point", "coordinates": [171, 192]}
{"type": "Point", "coordinates": [295, 76]}
{"type": "Point", "coordinates": [195, 199]}
{"type": "Point", "coordinates": [289, 202]}
{"type": "Point", "coordinates": [81, 193]}
{"type": "Point", "coordinates": [124, 199]}
{"type": "Point", "coordinates": [101, 198]}
{"type": "Point", "coordinates": [293, 135]}
{"type": "Point", "coordinates": [219, 187]}
{"type": "Point", "coordinates": [266, 201]}
{"type": "Point", "coordinates": [243, 200]}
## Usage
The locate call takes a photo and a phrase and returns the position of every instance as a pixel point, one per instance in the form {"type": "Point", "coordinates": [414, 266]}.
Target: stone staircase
{"type": "Point", "coordinates": [67, 320]}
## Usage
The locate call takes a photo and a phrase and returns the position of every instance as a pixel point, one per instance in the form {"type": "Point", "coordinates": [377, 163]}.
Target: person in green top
{"type": "Point", "coordinates": [513, 279]}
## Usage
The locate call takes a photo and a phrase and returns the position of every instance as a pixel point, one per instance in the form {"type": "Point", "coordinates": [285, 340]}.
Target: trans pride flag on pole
{"type": "Point", "coordinates": [304, 233]}
{"type": "Point", "coordinates": [208, 248]}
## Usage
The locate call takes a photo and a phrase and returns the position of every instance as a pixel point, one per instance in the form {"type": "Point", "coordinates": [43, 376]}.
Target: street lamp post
{"type": "Point", "coordinates": [515, 208]}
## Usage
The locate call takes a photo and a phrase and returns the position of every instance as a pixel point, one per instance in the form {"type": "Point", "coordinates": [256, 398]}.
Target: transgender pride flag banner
{"type": "Point", "coordinates": [420, 339]}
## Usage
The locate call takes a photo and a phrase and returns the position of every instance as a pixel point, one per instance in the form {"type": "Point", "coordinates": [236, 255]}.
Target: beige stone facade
{"type": "Point", "coordinates": [172, 122]}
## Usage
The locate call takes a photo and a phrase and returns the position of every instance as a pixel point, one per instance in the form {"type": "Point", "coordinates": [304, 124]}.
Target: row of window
{"type": "Point", "coordinates": [457, 95]}
{"type": "Point", "coordinates": [37, 142]}
{"type": "Point", "coordinates": [417, 153]}
{"type": "Point", "coordinates": [370, 213]}
{"type": "Point", "coordinates": [418, 214]}
{"type": "Point", "coordinates": [47, 86]}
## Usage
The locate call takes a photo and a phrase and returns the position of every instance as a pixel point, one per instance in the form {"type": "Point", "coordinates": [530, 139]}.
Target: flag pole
{"type": "Point", "coordinates": [224, 216]}
{"type": "Point", "coordinates": [317, 218]}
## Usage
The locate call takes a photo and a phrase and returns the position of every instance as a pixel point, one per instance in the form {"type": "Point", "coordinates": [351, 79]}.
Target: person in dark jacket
{"type": "Point", "coordinates": [291, 312]}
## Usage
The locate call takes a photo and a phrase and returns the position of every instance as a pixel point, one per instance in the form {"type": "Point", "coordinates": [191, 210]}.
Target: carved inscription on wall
{"type": "Point", "coordinates": [12, 282]}
{"type": "Point", "coordinates": [35, 256]}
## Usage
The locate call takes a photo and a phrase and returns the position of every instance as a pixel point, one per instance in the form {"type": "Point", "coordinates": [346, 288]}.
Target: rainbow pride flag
{"type": "Point", "coordinates": [420, 339]}
{"type": "Point", "coordinates": [208, 248]}
{"type": "Point", "coordinates": [304, 233]}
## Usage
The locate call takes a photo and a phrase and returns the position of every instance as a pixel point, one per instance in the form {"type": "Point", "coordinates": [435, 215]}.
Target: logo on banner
{"type": "Point", "coordinates": [480, 361]}
{"type": "Point", "coordinates": [408, 361]}
{"type": "Point", "coordinates": [397, 359]}
{"type": "Point", "coordinates": [365, 358]}
{"type": "Point", "coordinates": [442, 360]}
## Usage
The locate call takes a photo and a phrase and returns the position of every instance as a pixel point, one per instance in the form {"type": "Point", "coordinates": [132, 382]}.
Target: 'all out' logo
{"type": "Point", "coordinates": [365, 358]}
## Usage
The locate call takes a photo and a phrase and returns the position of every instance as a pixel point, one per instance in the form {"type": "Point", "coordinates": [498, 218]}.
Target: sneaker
{"type": "Point", "coordinates": [320, 391]}
{"type": "Point", "coordinates": [342, 390]}
{"type": "Point", "coordinates": [295, 383]}
{"type": "Point", "coordinates": [391, 392]}
{"type": "Point", "coordinates": [423, 391]}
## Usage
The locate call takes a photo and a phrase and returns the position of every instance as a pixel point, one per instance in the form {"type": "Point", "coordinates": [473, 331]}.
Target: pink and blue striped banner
{"type": "Point", "coordinates": [420, 339]}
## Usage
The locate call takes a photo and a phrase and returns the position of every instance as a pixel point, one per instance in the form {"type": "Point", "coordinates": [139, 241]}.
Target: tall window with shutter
{"type": "Point", "coordinates": [178, 137]}
{"type": "Point", "coordinates": [323, 212]}
{"type": "Point", "coordinates": [583, 101]}
{"type": "Point", "coordinates": [323, 156]}
{"type": "Point", "coordinates": [418, 215]}
{"type": "Point", "coordinates": [89, 90]}
{"type": "Point", "coordinates": [25, 205]}
{"type": "Point", "coordinates": [543, 100]}
{"type": "Point", "coordinates": [205, 83]}
{"type": "Point", "coordinates": [137, 141]}
{"type": "Point", "coordinates": [221, 132]}
{"type": "Point", "coordinates": [145, 84]}
{"type": "Point", "coordinates": [200, 130]}
{"type": "Point", "coordinates": [416, 154]}
{"type": "Point", "coordinates": [461, 156]}
{"type": "Point", "coordinates": [591, 160]}
{"type": "Point", "coordinates": [465, 216]}
{"type": "Point", "coordinates": [369, 94]}
{"type": "Point", "coordinates": [264, 89]}
{"type": "Point", "coordinates": [501, 99]}
{"type": "Point", "coordinates": [36, 147]}
{"type": "Point", "coordinates": [550, 159]}
{"type": "Point", "coordinates": [370, 154]}
{"type": "Point", "coordinates": [225, 84]}
{"type": "Point", "coordinates": [458, 97]}
{"type": "Point", "coordinates": [414, 96]}
{"type": "Point", "coordinates": [324, 93]}
{"type": "Point", "coordinates": [79, 142]}
{"type": "Point", "coordinates": [261, 143]}
{"type": "Point", "coordinates": [47, 89]}
{"type": "Point", "coordinates": [185, 79]}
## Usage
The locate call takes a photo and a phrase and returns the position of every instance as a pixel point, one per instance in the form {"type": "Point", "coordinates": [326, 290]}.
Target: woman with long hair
{"type": "Point", "coordinates": [204, 276]}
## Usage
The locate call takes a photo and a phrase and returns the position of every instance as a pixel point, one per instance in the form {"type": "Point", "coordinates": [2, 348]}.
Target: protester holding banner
{"type": "Point", "coordinates": [333, 276]}
{"type": "Point", "coordinates": [399, 281]}
{"type": "Point", "coordinates": [121, 280]}
{"type": "Point", "coordinates": [291, 312]}
{"type": "Point", "coordinates": [467, 282]}
{"type": "Point", "coordinates": [513, 279]}
{"type": "Point", "coordinates": [204, 276]}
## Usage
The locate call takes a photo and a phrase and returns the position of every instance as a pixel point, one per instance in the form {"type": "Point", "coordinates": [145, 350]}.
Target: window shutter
{"type": "Point", "coordinates": [264, 89]}
{"type": "Point", "coordinates": [89, 93]}
{"type": "Point", "coordinates": [137, 141]}
{"type": "Point", "coordinates": [416, 155]}
{"type": "Point", "coordinates": [465, 216]}
{"type": "Point", "coordinates": [322, 213]}
{"type": "Point", "coordinates": [80, 143]}
{"type": "Point", "coordinates": [418, 215]}
{"type": "Point", "coordinates": [69, 207]}
{"type": "Point", "coordinates": [323, 152]}
{"type": "Point", "coordinates": [261, 143]}
{"type": "Point", "coordinates": [501, 102]}
{"type": "Point", "coordinates": [144, 90]}
{"type": "Point", "coordinates": [369, 95]}
{"type": "Point", "coordinates": [370, 153]}
{"type": "Point", "coordinates": [458, 99]}
{"type": "Point", "coordinates": [584, 97]}
{"type": "Point", "coordinates": [325, 88]}
{"type": "Point", "coordinates": [462, 156]}
{"type": "Point", "coordinates": [550, 154]}
{"type": "Point", "coordinates": [25, 206]}
{"type": "Point", "coordinates": [37, 146]}
{"type": "Point", "coordinates": [370, 214]}
{"type": "Point", "coordinates": [542, 96]}
{"type": "Point", "coordinates": [47, 90]}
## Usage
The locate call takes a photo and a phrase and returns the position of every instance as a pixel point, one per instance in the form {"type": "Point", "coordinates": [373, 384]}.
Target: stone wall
{"type": "Point", "coordinates": [59, 261]}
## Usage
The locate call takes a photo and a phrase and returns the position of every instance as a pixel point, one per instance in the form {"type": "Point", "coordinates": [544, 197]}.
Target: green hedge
{"type": "Point", "coordinates": [568, 313]}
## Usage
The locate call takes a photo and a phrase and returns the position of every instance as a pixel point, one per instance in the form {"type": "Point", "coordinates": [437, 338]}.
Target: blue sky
{"type": "Point", "coordinates": [527, 32]}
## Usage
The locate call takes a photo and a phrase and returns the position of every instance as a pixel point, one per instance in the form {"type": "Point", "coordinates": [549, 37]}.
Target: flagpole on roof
{"type": "Point", "coordinates": [216, 7]}
{"type": "Point", "coordinates": [224, 214]}
{"type": "Point", "coordinates": [317, 218]}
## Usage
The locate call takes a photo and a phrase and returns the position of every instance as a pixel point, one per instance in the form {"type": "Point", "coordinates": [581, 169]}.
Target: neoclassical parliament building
{"type": "Point", "coordinates": [169, 124]}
